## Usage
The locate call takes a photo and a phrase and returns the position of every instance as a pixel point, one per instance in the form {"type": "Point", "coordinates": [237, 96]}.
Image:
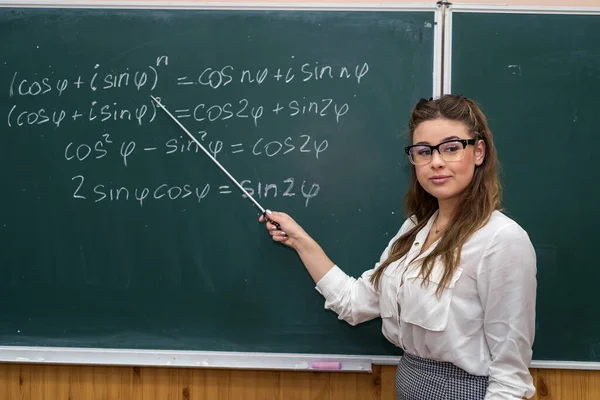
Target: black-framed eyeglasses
{"type": "Point", "coordinates": [450, 150]}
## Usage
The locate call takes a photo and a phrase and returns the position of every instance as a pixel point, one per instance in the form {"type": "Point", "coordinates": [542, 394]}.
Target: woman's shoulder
{"type": "Point", "coordinates": [501, 227]}
{"type": "Point", "coordinates": [504, 247]}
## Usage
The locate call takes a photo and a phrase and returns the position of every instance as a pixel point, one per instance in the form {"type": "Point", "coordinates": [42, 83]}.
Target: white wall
{"type": "Point", "coordinates": [575, 3]}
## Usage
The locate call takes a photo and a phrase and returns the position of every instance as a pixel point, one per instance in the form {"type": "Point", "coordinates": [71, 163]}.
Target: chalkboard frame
{"type": "Point", "coordinates": [447, 88]}
{"type": "Point", "coordinates": [218, 359]}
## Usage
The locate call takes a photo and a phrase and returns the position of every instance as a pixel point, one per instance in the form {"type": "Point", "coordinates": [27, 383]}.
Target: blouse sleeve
{"type": "Point", "coordinates": [355, 300]}
{"type": "Point", "coordinates": [507, 288]}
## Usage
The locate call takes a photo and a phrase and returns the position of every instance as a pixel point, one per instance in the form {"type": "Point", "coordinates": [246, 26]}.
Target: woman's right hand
{"type": "Point", "coordinates": [288, 232]}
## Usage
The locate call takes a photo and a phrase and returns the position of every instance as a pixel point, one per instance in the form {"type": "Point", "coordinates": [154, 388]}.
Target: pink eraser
{"type": "Point", "coordinates": [327, 365]}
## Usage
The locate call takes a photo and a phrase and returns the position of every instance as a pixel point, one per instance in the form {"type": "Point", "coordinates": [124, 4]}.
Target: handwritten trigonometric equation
{"type": "Point", "coordinates": [192, 193]}
{"type": "Point", "coordinates": [112, 109]}
{"type": "Point", "coordinates": [128, 149]}
{"type": "Point", "coordinates": [98, 112]}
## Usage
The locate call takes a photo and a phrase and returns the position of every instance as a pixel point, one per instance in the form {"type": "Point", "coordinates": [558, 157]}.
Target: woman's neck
{"type": "Point", "coordinates": [446, 208]}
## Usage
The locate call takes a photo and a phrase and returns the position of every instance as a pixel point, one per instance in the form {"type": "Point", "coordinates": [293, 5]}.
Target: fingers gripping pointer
{"type": "Point", "coordinates": [266, 215]}
{"type": "Point", "coordinates": [274, 223]}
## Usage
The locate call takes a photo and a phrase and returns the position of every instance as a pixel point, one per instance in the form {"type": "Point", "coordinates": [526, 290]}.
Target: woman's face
{"type": "Point", "coordinates": [445, 175]}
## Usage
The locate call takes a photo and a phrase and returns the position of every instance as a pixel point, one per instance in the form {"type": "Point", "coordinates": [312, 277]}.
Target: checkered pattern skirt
{"type": "Point", "coordinates": [423, 379]}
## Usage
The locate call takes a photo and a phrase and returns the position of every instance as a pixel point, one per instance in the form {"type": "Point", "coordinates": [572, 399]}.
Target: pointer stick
{"type": "Point", "coordinates": [264, 212]}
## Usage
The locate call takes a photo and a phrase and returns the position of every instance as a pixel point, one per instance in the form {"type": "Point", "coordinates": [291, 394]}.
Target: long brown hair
{"type": "Point", "coordinates": [477, 202]}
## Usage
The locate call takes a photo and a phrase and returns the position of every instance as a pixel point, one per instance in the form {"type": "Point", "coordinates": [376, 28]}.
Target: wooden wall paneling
{"type": "Point", "coordinates": [62, 382]}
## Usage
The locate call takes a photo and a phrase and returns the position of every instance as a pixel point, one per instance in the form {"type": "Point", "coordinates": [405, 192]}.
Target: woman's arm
{"type": "Point", "coordinates": [354, 300]}
{"type": "Point", "coordinates": [507, 287]}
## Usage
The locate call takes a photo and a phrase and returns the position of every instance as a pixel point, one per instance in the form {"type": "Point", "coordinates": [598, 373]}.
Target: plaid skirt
{"type": "Point", "coordinates": [423, 379]}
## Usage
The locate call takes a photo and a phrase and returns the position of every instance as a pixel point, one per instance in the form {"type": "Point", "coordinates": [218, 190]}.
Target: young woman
{"type": "Point", "coordinates": [456, 286]}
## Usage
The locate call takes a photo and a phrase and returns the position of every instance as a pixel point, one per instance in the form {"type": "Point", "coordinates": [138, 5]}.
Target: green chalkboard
{"type": "Point", "coordinates": [117, 232]}
{"type": "Point", "coordinates": [537, 78]}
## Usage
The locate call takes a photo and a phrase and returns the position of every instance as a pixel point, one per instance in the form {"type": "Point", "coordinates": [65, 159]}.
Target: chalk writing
{"type": "Point", "coordinates": [222, 76]}
{"type": "Point", "coordinates": [243, 108]}
{"type": "Point", "coordinates": [89, 99]}
{"type": "Point", "coordinates": [82, 151]}
{"type": "Point", "coordinates": [196, 192]}
{"type": "Point", "coordinates": [100, 79]}
{"type": "Point", "coordinates": [261, 147]}
{"type": "Point", "coordinates": [222, 112]}
{"type": "Point", "coordinates": [273, 189]}
{"type": "Point", "coordinates": [516, 69]}
{"type": "Point", "coordinates": [96, 112]}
